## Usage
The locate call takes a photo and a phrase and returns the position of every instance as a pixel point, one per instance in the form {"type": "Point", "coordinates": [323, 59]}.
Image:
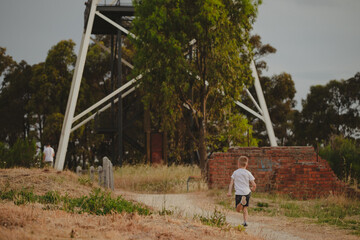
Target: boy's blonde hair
{"type": "Point", "coordinates": [242, 161]}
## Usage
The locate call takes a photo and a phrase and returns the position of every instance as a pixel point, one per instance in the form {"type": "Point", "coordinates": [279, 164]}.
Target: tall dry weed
{"type": "Point", "coordinates": [158, 179]}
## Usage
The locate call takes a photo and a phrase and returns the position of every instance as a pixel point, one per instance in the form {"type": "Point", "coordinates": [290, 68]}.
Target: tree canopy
{"type": "Point", "coordinates": [193, 54]}
{"type": "Point", "coordinates": [333, 109]}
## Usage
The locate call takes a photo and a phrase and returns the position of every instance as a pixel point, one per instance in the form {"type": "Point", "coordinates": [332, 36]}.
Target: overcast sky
{"type": "Point", "coordinates": [316, 40]}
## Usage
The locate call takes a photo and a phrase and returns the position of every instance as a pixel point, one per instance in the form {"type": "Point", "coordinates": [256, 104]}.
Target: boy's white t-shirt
{"type": "Point", "coordinates": [242, 178]}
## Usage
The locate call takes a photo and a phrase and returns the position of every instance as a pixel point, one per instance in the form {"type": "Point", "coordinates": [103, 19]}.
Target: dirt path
{"type": "Point", "coordinates": [269, 228]}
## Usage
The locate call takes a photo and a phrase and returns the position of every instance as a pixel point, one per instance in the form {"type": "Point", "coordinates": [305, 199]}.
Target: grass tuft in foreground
{"type": "Point", "coordinates": [217, 219]}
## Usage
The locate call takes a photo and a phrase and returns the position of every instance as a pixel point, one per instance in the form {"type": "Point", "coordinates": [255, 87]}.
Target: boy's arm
{"type": "Point", "coordinates": [230, 187]}
{"type": "Point", "coordinates": [253, 185]}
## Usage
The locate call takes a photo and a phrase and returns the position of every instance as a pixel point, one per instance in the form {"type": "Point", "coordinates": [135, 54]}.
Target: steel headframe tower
{"type": "Point", "coordinates": [69, 118]}
{"type": "Point", "coordinates": [105, 16]}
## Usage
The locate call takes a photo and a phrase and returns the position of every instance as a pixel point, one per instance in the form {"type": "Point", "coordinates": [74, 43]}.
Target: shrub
{"type": "Point", "coordinates": [21, 154]}
{"type": "Point", "coordinates": [343, 156]}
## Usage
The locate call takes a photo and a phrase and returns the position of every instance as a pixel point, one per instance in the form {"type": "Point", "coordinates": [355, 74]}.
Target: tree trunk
{"type": "Point", "coordinates": [202, 148]}
{"type": "Point", "coordinates": [202, 135]}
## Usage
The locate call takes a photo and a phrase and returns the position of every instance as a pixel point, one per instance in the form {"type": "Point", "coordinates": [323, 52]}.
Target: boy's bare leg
{"type": "Point", "coordinates": [245, 213]}
{"type": "Point", "coordinates": [239, 207]}
{"type": "Point", "coordinates": [47, 166]}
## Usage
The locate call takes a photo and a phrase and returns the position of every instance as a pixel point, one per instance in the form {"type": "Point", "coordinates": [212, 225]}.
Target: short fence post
{"type": "Point", "coordinates": [78, 170]}
{"type": "Point", "coordinates": [92, 171]}
{"type": "Point", "coordinates": [106, 175]}
{"type": "Point", "coordinates": [106, 172]}
{"type": "Point", "coordinates": [100, 172]}
{"type": "Point", "coordinates": [111, 175]}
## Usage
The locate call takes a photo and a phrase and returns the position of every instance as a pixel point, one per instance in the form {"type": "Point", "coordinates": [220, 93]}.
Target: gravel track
{"type": "Point", "coordinates": [189, 205]}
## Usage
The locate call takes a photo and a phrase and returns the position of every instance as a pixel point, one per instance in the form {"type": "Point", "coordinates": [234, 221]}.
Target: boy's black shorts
{"type": "Point", "coordinates": [238, 200]}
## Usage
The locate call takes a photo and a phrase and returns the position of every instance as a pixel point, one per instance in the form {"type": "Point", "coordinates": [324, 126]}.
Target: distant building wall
{"type": "Point", "coordinates": [296, 171]}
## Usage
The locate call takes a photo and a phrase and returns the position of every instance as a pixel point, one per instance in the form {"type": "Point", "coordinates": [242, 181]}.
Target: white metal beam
{"type": "Point", "coordinates": [262, 102]}
{"type": "Point", "coordinates": [118, 26]}
{"type": "Point", "coordinates": [108, 97]}
{"type": "Point", "coordinates": [254, 101]}
{"type": "Point", "coordinates": [101, 110]}
{"type": "Point", "coordinates": [239, 103]}
{"type": "Point", "coordinates": [249, 110]}
{"type": "Point", "coordinates": [74, 91]}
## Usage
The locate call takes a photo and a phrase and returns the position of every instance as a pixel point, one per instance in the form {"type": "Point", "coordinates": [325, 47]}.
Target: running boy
{"type": "Point", "coordinates": [244, 183]}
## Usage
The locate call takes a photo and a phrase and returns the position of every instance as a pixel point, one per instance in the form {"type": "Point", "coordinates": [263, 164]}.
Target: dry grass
{"type": "Point", "coordinates": [42, 182]}
{"type": "Point", "coordinates": [158, 179]}
{"type": "Point", "coordinates": [31, 221]}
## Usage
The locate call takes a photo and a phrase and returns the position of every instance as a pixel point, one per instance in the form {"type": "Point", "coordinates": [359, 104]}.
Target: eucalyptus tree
{"type": "Point", "coordinates": [192, 53]}
{"type": "Point", "coordinates": [14, 96]}
{"type": "Point", "coordinates": [49, 86]}
{"type": "Point", "coordinates": [331, 109]}
{"type": "Point", "coordinates": [6, 61]}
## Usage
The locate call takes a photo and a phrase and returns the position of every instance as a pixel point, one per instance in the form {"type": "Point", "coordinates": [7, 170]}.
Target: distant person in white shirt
{"type": "Point", "coordinates": [48, 156]}
{"type": "Point", "coordinates": [244, 183]}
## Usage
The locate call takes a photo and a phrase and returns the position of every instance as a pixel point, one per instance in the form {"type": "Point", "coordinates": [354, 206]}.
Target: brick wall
{"type": "Point", "coordinates": [296, 171]}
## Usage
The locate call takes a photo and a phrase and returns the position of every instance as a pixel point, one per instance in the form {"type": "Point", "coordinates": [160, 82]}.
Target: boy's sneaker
{"type": "Point", "coordinates": [243, 200]}
{"type": "Point", "coordinates": [245, 224]}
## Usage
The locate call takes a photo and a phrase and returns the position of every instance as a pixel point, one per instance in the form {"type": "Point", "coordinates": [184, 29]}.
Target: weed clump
{"type": "Point", "coordinates": [217, 219]}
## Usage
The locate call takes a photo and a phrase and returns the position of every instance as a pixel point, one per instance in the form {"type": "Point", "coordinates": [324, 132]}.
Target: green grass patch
{"type": "Point", "coordinates": [86, 181]}
{"type": "Point", "coordinates": [98, 202]}
{"type": "Point", "coordinates": [261, 204]}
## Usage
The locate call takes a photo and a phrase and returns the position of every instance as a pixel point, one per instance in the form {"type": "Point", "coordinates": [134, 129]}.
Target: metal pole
{"type": "Point", "coordinates": [74, 91]}
{"type": "Point", "coordinates": [120, 105]}
{"type": "Point", "coordinates": [262, 102]}
{"type": "Point", "coordinates": [113, 78]}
